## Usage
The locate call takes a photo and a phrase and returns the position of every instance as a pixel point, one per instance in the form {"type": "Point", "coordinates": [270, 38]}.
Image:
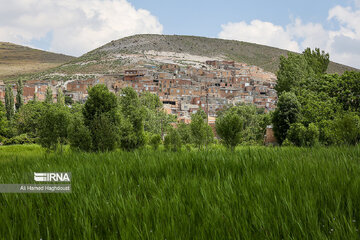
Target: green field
{"type": "Point", "coordinates": [252, 193]}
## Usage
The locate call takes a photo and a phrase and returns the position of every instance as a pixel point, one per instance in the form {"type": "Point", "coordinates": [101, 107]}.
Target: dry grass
{"type": "Point", "coordinates": [16, 60]}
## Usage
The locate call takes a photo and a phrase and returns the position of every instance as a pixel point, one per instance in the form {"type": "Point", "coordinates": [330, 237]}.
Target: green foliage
{"type": "Point", "coordinates": [286, 113]}
{"type": "Point", "coordinates": [156, 121]}
{"type": "Point", "coordinates": [4, 123]}
{"type": "Point", "coordinates": [346, 128]}
{"type": "Point", "coordinates": [101, 118]}
{"type": "Point", "coordinates": [293, 70]}
{"type": "Point", "coordinates": [68, 100]}
{"type": "Point", "coordinates": [9, 102]}
{"type": "Point", "coordinates": [100, 101]}
{"type": "Point", "coordinates": [317, 60]}
{"type": "Point", "coordinates": [300, 135]}
{"type": "Point", "coordinates": [79, 135]}
{"type": "Point", "coordinates": [48, 95]}
{"type": "Point", "coordinates": [132, 122]}
{"type": "Point", "coordinates": [348, 91]}
{"type": "Point", "coordinates": [229, 128]}
{"type": "Point", "coordinates": [21, 139]}
{"type": "Point", "coordinates": [201, 132]}
{"type": "Point", "coordinates": [104, 133]}
{"type": "Point", "coordinates": [185, 133]}
{"type": "Point", "coordinates": [60, 99]}
{"type": "Point", "coordinates": [155, 141]}
{"type": "Point", "coordinates": [28, 117]}
{"type": "Point", "coordinates": [173, 140]}
{"type": "Point", "coordinates": [53, 125]}
{"type": "Point", "coordinates": [19, 95]}
{"type": "Point", "coordinates": [316, 107]}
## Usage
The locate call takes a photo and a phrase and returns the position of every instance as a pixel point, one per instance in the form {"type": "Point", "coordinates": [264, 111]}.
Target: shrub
{"type": "Point", "coordinates": [21, 139]}
{"type": "Point", "coordinates": [300, 135]}
{"type": "Point", "coordinates": [155, 141]}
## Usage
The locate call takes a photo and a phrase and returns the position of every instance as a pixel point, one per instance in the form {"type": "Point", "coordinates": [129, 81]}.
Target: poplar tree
{"type": "Point", "coordinates": [60, 99]}
{"type": "Point", "coordinates": [48, 95]}
{"type": "Point", "coordinates": [19, 95]}
{"type": "Point", "coordinates": [9, 102]}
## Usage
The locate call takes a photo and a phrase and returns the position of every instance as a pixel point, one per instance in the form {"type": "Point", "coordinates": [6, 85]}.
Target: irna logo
{"type": "Point", "coordinates": [52, 177]}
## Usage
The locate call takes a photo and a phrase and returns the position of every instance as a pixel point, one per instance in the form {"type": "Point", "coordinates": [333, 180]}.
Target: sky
{"type": "Point", "coordinates": [75, 27]}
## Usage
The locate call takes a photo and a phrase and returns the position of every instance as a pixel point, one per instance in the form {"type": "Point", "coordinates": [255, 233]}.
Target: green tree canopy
{"type": "Point", "coordinates": [229, 127]}
{"type": "Point", "coordinates": [201, 132]}
{"type": "Point", "coordinates": [286, 113]}
{"type": "Point", "coordinates": [53, 125]}
{"type": "Point", "coordinates": [132, 122]}
{"type": "Point", "coordinates": [317, 60]}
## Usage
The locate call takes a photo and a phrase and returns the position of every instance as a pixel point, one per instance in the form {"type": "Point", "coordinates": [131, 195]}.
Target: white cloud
{"type": "Point", "coordinates": [259, 32]}
{"type": "Point", "coordinates": [76, 26]}
{"type": "Point", "coordinates": [343, 44]}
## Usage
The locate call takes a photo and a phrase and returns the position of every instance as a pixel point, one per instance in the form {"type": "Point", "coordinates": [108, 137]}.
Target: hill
{"type": "Point", "coordinates": [16, 60]}
{"type": "Point", "coordinates": [254, 54]}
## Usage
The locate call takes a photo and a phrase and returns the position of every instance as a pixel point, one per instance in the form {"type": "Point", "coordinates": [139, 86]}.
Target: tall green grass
{"type": "Point", "coordinates": [252, 193]}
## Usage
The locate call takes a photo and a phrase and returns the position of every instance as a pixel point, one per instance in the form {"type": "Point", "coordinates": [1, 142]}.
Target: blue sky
{"type": "Point", "coordinates": [75, 27]}
{"type": "Point", "coordinates": [201, 17]}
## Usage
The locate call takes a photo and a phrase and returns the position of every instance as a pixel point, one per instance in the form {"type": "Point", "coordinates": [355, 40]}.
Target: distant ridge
{"type": "Point", "coordinates": [16, 60]}
{"type": "Point", "coordinates": [254, 54]}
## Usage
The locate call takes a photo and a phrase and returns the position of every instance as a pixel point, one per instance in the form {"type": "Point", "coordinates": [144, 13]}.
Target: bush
{"type": "Point", "coordinates": [346, 129]}
{"type": "Point", "coordinates": [300, 135]}
{"type": "Point", "coordinates": [21, 139]}
{"type": "Point", "coordinates": [155, 141]}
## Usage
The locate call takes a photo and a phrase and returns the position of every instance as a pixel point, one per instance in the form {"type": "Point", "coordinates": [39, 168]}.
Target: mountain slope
{"type": "Point", "coordinates": [250, 53]}
{"type": "Point", "coordinates": [16, 60]}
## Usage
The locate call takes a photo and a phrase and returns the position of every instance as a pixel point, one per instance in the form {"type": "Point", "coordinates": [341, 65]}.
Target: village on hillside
{"type": "Point", "coordinates": [182, 89]}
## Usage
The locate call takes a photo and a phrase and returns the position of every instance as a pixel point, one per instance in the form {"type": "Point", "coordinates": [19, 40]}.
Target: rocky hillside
{"type": "Point", "coordinates": [16, 60]}
{"type": "Point", "coordinates": [250, 53]}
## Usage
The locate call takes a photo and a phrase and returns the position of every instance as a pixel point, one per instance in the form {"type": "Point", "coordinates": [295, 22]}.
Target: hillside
{"type": "Point", "coordinates": [16, 60]}
{"type": "Point", "coordinates": [250, 53]}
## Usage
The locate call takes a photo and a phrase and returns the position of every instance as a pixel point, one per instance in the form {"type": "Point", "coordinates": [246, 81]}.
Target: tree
{"type": "Point", "coordinates": [185, 133]}
{"type": "Point", "coordinates": [132, 122]}
{"type": "Point", "coordinates": [9, 102]}
{"type": "Point", "coordinates": [19, 95]}
{"type": "Point", "coordinates": [293, 71]}
{"type": "Point", "coordinates": [201, 132]}
{"type": "Point", "coordinates": [28, 117]}
{"type": "Point", "coordinates": [156, 120]}
{"type": "Point", "coordinates": [348, 91]}
{"type": "Point", "coordinates": [35, 97]}
{"type": "Point", "coordinates": [4, 124]}
{"type": "Point", "coordinates": [229, 127]}
{"type": "Point", "coordinates": [60, 99]}
{"type": "Point", "coordinates": [49, 95]}
{"type": "Point", "coordinates": [172, 140]}
{"type": "Point", "coordinates": [79, 135]}
{"type": "Point", "coordinates": [317, 60]}
{"type": "Point", "coordinates": [286, 113]}
{"type": "Point", "coordinates": [53, 127]}
{"type": "Point", "coordinates": [101, 118]}
{"type": "Point", "coordinates": [105, 133]}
